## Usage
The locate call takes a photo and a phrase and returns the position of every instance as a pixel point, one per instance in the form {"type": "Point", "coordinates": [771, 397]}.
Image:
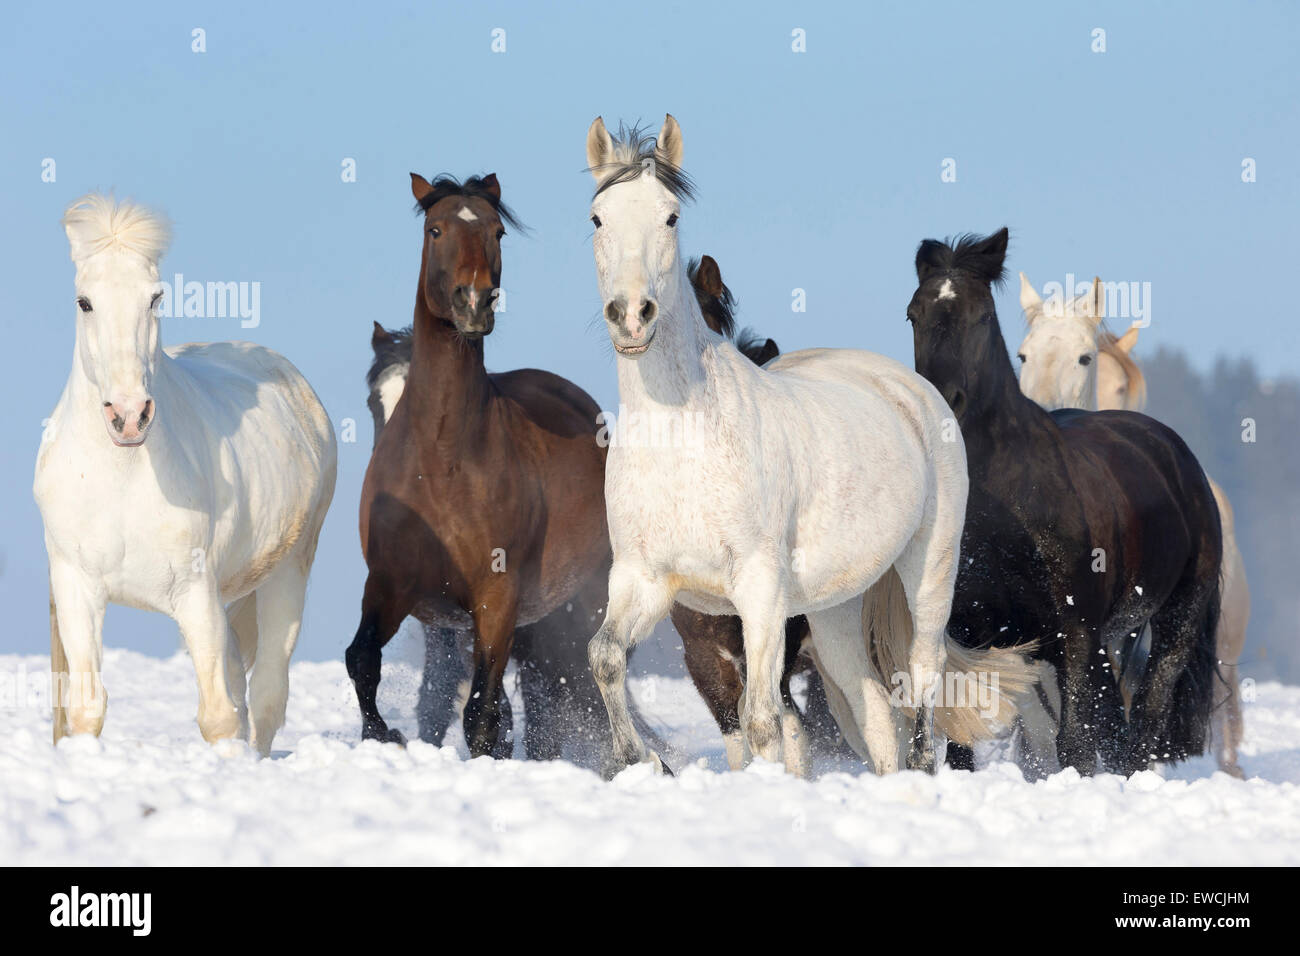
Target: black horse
{"type": "Point", "coordinates": [1081, 527]}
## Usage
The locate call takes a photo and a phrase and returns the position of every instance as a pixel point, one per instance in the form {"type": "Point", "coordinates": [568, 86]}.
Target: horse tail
{"type": "Point", "coordinates": [59, 676]}
{"type": "Point", "coordinates": [979, 685]}
{"type": "Point", "coordinates": [1193, 697]}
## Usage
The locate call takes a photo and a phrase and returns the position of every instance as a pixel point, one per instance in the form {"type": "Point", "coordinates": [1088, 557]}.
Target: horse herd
{"type": "Point", "coordinates": [947, 559]}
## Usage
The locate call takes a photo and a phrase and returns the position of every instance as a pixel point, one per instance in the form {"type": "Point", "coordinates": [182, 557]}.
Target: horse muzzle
{"type": "Point", "coordinates": [128, 421]}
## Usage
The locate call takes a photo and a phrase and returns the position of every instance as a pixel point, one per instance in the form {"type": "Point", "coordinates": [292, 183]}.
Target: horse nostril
{"type": "Point", "coordinates": [146, 413]}
{"type": "Point", "coordinates": [614, 311]}
{"type": "Point", "coordinates": [648, 310]}
{"type": "Point", "coordinates": [460, 297]}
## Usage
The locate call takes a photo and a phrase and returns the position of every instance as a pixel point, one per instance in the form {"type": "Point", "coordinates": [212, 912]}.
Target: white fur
{"type": "Point", "coordinates": [1061, 333]}
{"type": "Point", "coordinates": [390, 386]}
{"type": "Point", "coordinates": [814, 477]}
{"type": "Point", "coordinates": [466, 214]}
{"type": "Point", "coordinates": [946, 290]}
{"type": "Point", "coordinates": [212, 519]}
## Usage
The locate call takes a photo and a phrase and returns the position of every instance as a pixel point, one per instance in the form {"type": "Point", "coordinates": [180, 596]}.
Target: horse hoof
{"type": "Point", "coordinates": [923, 761]}
{"type": "Point", "coordinates": [660, 766]}
{"type": "Point", "coordinates": [383, 733]}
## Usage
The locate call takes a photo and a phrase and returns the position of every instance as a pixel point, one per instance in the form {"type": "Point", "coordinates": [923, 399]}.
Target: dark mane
{"type": "Point", "coordinates": [721, 307]}
{"type": "Point", "coordinates": [633, 148]}
{"type": "Point", "coordinates": [394, 349]}
{"type": "Point", "coordinates": [979, 255]}
{"type": "Point", "coordinates": [445, 186]}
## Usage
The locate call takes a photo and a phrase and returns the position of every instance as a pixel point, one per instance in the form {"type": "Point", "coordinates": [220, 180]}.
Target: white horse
{"type": "Point", "coordinates": [830, 483]}
{"type": "Point", "coordinates": [191, 480]}
{"type": "Point", "coordinates": [1069, 361]}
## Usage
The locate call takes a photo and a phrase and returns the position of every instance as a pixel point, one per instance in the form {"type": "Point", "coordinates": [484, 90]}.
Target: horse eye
{"type": "Point", "coordinates": [1085, 359]}
{"type": "Point", "coordinates": [501, 233]}
{"type": "Point", "coordinates": [435, 231]}
{"type": "Point", "coordinates": [83, 303]}
{"type": "Point", "coordinates": [595, 220]}
{"type": "Point", "coordinates": [672, 220]}
{"type": "Point", "coordinates": [1021, 356]}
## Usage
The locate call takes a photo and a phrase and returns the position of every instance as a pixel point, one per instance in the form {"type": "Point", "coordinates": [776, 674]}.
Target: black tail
{"type": "Point", "coordinates": [1197, 688]}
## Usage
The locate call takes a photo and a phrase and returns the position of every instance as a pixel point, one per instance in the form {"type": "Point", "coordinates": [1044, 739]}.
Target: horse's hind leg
{"type": "Point", "coordinates": [1171, 708]}
{"type": "Point", "coordinates": [1228, 722]}
{"type": "Point", "coordinates": [713, 647]}
{"type": "Point", "coordinates": [381, 615]}
{"type": "Point", "coordinates": [58, 675]}
{"type": "Point", "coordinates": [445, 668]}
{"type": "Point", "coordinates": [242, 615]}
{"type": "Point", "coordinates": [857, 697]}
{"type": "Point", "coordinates": [279, 619]}
{"type": "Point", "coordinates": [636, 605]}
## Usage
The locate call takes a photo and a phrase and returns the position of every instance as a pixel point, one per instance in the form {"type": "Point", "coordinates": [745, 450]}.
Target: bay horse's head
{"type": "Point", "coordinates": [463, 227]}
{"type": "Point", "coordinates": [116, 246]}
{"type": "Point", "coordinates": [1058, 358]}
{"type": "Point", "coordinates": [639, 190]}
{"type": "Point", "coordinates": [954, 324]}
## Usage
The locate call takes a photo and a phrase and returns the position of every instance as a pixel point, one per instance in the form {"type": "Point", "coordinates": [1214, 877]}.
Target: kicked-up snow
{"type": "Point", "coordinates": [151, 791]}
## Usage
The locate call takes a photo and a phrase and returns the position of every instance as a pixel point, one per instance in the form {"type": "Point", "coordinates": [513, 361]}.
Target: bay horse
{"type": "Point", "coordinates": [562, 707]}
{"type": "Point", "coordinates": [822, 484]}
{"type": "Point", "coordinates": [1069, 359]}
{"type": "Point", "coordinates": [190, 480]}
{"type": "Point", "coordinates": [1081, 528]}
{"type": "Point", "coordinates": [481, 507]}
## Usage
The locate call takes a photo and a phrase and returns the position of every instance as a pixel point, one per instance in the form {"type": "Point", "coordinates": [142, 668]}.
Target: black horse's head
{"type": "Point", "coordinates": [958, 345]}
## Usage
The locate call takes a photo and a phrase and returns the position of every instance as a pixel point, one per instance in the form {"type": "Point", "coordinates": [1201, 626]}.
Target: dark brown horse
{"type": "Point", "coordinates": [563, 711]}
{"type": "Point", "coordinates": [483, 504]}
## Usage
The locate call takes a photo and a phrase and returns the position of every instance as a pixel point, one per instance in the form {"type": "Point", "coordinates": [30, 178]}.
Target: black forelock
{"type": "Point", "coordinates": [446, 186]}
{"type": "Point", "coordinates": [981, 256]}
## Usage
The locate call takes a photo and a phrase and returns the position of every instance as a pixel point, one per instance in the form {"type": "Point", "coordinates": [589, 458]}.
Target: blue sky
{"type": "Point", "coordinates": [817, 170]}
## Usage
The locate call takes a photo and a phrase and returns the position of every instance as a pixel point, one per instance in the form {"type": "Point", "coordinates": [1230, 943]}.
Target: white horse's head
{"type": "Point", "coordinates": [1058, 358]}
{"type": "Point", "coordinates": [639, 190]}
{"type": "Point", "coordinates": [116, 247]}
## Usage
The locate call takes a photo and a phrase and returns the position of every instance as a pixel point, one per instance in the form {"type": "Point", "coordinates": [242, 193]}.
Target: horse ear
{"type": "Point", "coordinates": [995, 247]}
{"type": "Point", "coordinates": [600, 147]}
{"type": "Point", "coordinates": [379, 336]}
{"type": "Point", "coordinates": [492, 186]}
{"type": "Point", "coordinates": [1129, 339]}
{"type": "Point", "coordinates": [668, 148]}
{"type": "Point", "coordinates": [1097, 300]}
{"type": "Point", "coordinates": [1030, 300]}
{"type": "Point", "coordinates": [420, 187]}
{"type": "Point", "coordinates": [708, 277]}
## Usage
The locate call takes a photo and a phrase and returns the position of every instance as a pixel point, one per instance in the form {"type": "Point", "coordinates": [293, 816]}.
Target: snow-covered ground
{"type": "Point", "coordinates": [151, 791]}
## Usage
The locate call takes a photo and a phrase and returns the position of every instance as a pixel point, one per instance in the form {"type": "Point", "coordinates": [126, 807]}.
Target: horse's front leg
{"type": "Point", "coordinates": [76, 651]}
{"type": "Point", "coordinates": [636, 604]}
{"type": "Point", "coordinates": [760, 598]}
{"type": "Point", "coordinates": [495, 614]}
{"type": "Point", "coordinates": [206, 631]}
